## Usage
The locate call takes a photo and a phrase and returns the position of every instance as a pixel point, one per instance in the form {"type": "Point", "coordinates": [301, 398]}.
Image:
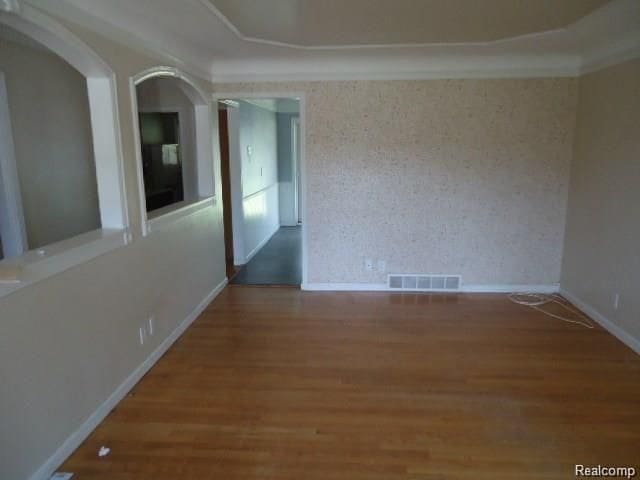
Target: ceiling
{"type": "Point", "coordinates": [313, 23]}
{"type": "Point", "coordinates": [230, 41]}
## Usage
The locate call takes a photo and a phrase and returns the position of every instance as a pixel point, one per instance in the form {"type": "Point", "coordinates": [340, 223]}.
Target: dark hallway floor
{"type": "Point", "coordinates": [279, 262]}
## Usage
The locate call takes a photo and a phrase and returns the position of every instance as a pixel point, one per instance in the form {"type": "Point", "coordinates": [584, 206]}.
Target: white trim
{"type": "Point", "coordinates": [52, 259]}
{"type": "Point", "coordinates": [369, 46]}
{"type": "Point", "coordinates": [171, 213]}
{"type": "Point", "coordinates": [464, 68]}
{"type": "Point", "coordinates": [136, 41]}
{"type": "Point", "coordinates": [264, 241]}
{"type": "Point", "coordinates": [295, 154]}
{"type": "Point", "coordinates": [235, 181]}
{"type": "Point", "coordinates": [612, 54]}
{"type": "Point", "coordinates": [13, 232]}
{"type": "Point", "coordinates": [171, 72]}
{"type": "Point", "coordinates": [302, 98]}
{"type": "Point", "coordinates": [102, 95]}
{"type": "Point", "coordinates": [303, 186]}
{"type": "Point", "coordinates": [262, 190]}
{"type": "Point", "coordinates": [560, 52]}
{"type": "Point", "coordinates": [37, 265]}
{"type": "Point", "coordinates": [205, 166]}
{"type": "Point", "coordinates": [345, 287]}
{"type": "Point", "coordinates": [625, 337]}
{"type": "Point", "coordinates": [507, 288]}
{"type": "Point", "coordinates": [383, 287]}
{"type": "Point", "coordinates": [77, 437]}
{"type": "Point", "coordinates": [107, 148]}
{"type": "Point", "coordinates": [55, 37]}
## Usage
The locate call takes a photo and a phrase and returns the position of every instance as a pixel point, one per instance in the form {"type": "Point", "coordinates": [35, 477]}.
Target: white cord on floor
{"type": "Point", "coordinates": [537, 300]}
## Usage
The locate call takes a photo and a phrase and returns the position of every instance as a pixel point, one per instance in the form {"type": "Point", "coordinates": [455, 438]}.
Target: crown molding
{"type": "Point", "coordinates": [488, 68]}
{"type": "Point", "coordinates": [65, 11]}
{"type": "Point", "coordinates": [605, 37]}
{"type": "Point", "coordinates": [623, 50]}
{"type": "Point", "coordinates": [370, 46]}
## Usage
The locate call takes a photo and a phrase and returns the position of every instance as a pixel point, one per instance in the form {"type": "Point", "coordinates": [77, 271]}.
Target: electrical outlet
{"type": "Point", "coordinates": [368, 265]}
{"type": "Point", "coordinates": [249, 151]}
{"type": "Point", "coordinates": [382, 266]}
{"type": "Point", "coordinates": [616, 301]}
{"type": "Point", "coordinates": [151, 325]}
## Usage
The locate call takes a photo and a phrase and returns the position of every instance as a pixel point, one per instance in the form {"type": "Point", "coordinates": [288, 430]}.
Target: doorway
{"type": "Point", "coordinates": [261, 174]}
{"type": "Point", "coordinates": [225, 172]}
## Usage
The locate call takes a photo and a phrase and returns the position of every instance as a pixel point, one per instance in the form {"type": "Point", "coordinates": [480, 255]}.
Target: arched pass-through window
{"type": "Point", "coordinates": [24, 259]}
{"type": "Point", "coordinates": [173, 146]}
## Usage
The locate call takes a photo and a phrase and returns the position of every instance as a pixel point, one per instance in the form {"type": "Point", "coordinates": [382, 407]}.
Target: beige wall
{"type": "Point", "coordinates": [602, 247]}
{"type": "Point", "coordinates": [55, 165]}
{"type": "Point", "coordinates": [69, 341]}
{"type": "Point", "coordinates": [441, 176]}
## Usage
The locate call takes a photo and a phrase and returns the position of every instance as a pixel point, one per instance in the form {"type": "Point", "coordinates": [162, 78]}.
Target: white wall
{"type": "Point", "coordinates": [257, 129]}
{"type": "Point", "coordinates": [286, 170]}
{"type": "Point", "coordinates": [164, 95]}
{"type": "Point", "coordinates": [602, 246]}
{"type": "Point", "coordinates": [49, 112]}
{"type": "Point", "coordinates": [69, 341]}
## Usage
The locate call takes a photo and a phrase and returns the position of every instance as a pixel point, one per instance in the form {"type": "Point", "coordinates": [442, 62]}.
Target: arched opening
{"type": "Point", "coordinates": [175, 164]}
{"type": "Point", "coordinates": [62, 188]}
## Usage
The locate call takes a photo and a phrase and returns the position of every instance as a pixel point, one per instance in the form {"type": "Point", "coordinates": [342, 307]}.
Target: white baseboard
{"type": "Point", "coordinates": [498, 288]}
{"type": "Point", "coordinates": [261, 244]}
{"type": "Point", "coordinates": [382, 287]}
{"type": "Point", "coordinates": [345, 287]}
{"type": "Point", "coordinates": [76, 438]}
{"type": "Point", "coordinates": [625, 337]}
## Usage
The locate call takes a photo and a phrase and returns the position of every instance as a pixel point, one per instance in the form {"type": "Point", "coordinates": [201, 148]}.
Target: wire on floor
{"type": "Point", "coordinates": [538, 300]}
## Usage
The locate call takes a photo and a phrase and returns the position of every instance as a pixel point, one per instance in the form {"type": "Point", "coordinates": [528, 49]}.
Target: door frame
{"type": "Point", "coordinates": [301, 97]}
{"type": "Point", "coordinates": [226, 190]}
{"type": "Point", "coordinates": [12, 226]}
{"type": "Point", "coordinates": [295, 154]}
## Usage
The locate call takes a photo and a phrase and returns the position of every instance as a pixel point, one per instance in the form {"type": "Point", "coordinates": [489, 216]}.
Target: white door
{"type": "Point", "coordinates": [12, 229]}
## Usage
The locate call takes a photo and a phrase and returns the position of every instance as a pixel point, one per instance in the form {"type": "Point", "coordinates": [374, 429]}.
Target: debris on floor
{"type": "Point", "coordinates": [104, 451]}
{"type": "Point", "coordinates": [61, 476]}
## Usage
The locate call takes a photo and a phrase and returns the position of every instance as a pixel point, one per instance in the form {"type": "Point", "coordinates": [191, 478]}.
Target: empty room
{"type": "Point", "coordinates": [319, 239]}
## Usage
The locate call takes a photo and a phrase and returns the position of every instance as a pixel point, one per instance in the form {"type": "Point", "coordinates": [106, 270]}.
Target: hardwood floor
{"type": "Point", "coordinates": [284, 384]}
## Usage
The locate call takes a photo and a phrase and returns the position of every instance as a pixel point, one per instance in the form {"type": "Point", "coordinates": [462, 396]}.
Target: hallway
{"type": "Point", "coordinates": [279, 262]}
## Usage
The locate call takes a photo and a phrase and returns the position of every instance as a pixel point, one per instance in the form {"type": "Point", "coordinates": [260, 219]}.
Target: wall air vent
{"type": "Point", "coordinates": [424, 283]}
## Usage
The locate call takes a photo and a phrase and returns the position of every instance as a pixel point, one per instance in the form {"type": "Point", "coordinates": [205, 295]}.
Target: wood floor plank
{"type": "Point", "coordinates": [284, 384]}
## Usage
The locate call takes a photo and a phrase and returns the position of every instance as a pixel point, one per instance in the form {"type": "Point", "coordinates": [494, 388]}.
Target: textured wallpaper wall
{"type": "Point", "coordinates": [465, 177]}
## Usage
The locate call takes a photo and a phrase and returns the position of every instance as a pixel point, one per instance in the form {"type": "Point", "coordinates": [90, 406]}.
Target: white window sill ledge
{"type": "Point", "coordinates": [163, 217]}
{"type": "Point", "coordinates": [36, 265]}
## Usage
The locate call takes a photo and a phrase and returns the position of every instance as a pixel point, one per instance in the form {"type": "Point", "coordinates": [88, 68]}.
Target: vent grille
{"type": "Point", "coordinates": [424, 283]}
